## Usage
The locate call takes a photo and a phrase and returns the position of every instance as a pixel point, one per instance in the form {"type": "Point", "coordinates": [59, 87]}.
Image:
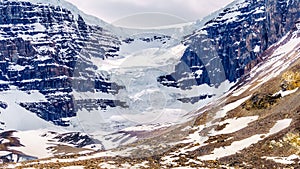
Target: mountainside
{"type": "Point", "coordinates": [62, 68]}
{"type": "Point", "coordinates": [74, 73]}
{"type": "Point", "coordinates": [156, 98]}
{"type": "Point", "coordinates": [254, 125]}
{"type": "Point", "coordinates": [43, 49]}
{"type": "Point", "coordinates": [230, 44]}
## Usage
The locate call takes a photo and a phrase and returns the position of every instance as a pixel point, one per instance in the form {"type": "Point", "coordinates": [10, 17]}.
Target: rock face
{"type": "Point", "coordinates": [261, 101]}
{"type": "Point", "coordinates": [54, 51]}
{"type": "Point", "coordinates": [79, 140]}
{"type": "Point", "coordinates": [224, 48]}
{"type": "Point", "coordinates": [48, 49]}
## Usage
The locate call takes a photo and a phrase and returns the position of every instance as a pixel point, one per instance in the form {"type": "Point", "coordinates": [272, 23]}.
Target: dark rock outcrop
{"type": "Point", "coordinates": [261, 101]}
{"type": "Point", "coordinates": [236, 37]}
{"type": "Point", "coordinates": [48, 49]}
{"type": "Point", "coordinates": [79, 140]}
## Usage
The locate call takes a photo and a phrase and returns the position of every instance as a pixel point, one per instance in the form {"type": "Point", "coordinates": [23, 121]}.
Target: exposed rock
{"type": "Point", "coordinates": [75, 138]}
{"type": "Point", "coordinates": [294, 140]}
{"type": "Point", "coordinates": [46, 48]}
{"type": "Point", "coordinates": [260, 101]}
{"type": "Point", "coordinates": [290, 80]}
{"type": "Point", "coordinates": [230, 44]}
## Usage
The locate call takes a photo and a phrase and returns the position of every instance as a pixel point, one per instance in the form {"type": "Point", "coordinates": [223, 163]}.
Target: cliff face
{"type": "Point", "coordinates": [228, 43]}
{"type": "Point", "coordinates": [48, 49]}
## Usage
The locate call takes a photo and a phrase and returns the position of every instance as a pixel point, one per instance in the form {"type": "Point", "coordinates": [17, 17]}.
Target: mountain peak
{"type": "Point", "coordinates": [92, 20]}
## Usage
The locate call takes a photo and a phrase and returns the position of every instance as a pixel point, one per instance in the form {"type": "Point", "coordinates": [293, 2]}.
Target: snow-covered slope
{"type": "Point", "coordinates": [42, 143]}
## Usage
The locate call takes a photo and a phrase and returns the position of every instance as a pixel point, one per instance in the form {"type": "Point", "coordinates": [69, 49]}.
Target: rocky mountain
{"type": "Point", "coordinates": [75, 71]}
{"type": "Point", "coordinates": [171, 97]}
{"type": "Point", "coordinates": [254, 125]}
{"type": "Point", "coordinates": [231, 43]}
{"type": "Point", "coordinates": [44, 48]}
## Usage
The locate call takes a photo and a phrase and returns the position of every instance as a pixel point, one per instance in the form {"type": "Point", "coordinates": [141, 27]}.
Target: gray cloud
{"type": "Point", "coordinates": [114, 10]}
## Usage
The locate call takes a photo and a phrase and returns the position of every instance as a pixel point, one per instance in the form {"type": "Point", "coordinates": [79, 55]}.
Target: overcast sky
{"type": "Point", "coordinates": [165, 11]}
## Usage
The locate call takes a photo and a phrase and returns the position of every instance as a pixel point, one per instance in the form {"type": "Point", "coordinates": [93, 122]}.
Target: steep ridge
{"type": "Point", "coordinates": [237, 36]}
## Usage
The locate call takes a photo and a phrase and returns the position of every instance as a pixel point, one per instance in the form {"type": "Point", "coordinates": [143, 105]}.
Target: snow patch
{"type": "Point", "coordinates": [280, 125]}
{"type": "Point", "coordinates": [34, 144]}
{"type": "Point", "coordinates": [232, 149]}
{"type": "Point", "coordinates": [286, 93]}
{"type": "Point", "coordinates": [17, 117]}
{"type": "Point", "coordinates": [39, 27]}
{"type": "Point", "coordinates": [236, 146]}
{"type": "Point", "coordinates": [256, 49]}
{"type": "Point", "coordinates": [284, 160]}
{"type": "Point", "coordinates": [147, 127]}
{"type": "Point", "coordinates": [230, 106]}
{"type": "Point", "coordinates": [234, 125]}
